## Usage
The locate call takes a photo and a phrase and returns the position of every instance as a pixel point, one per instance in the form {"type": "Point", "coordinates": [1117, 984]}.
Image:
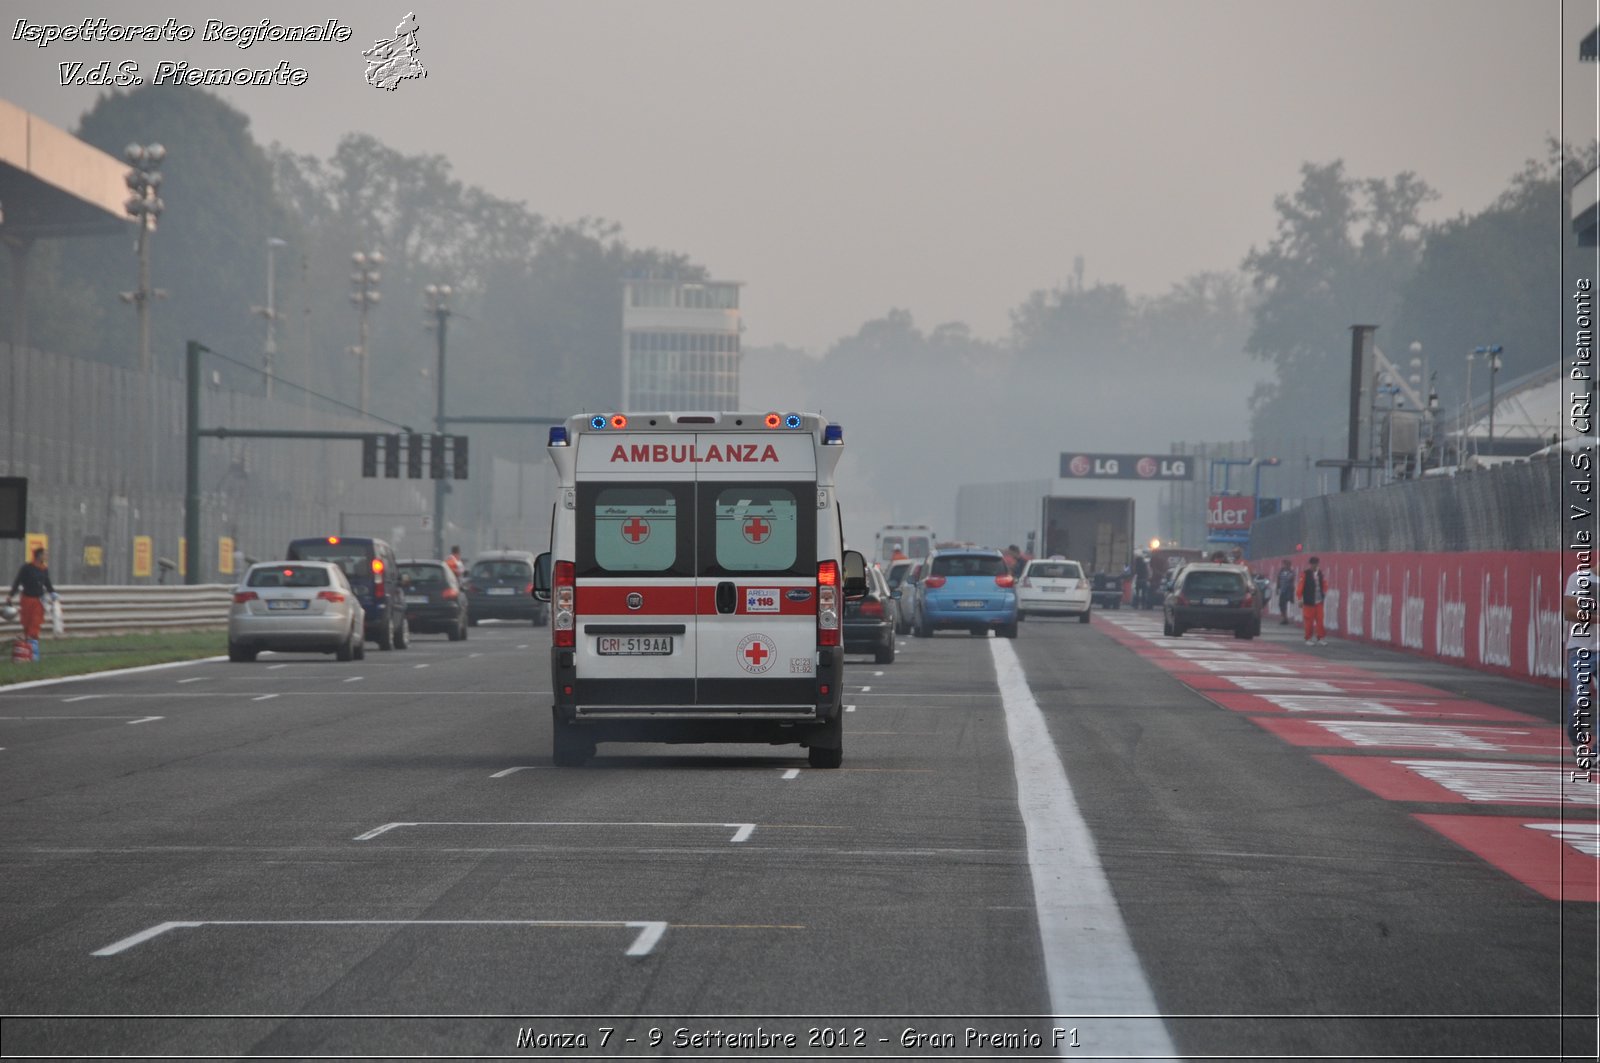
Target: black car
{"type": "Point", "coordinates": [434, 601]}
{"type": "Point", "coordinates": [500, 587]}
{"type": "Point", "coordinates": [369, 565]}
{"type": "Point", "coordinates": [869, 622]}
{"type": "Point", "coordinates": [1206, 595]}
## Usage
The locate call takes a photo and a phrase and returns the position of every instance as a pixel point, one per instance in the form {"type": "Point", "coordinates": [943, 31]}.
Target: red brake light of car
{"type": "Point", "coordinates": [1249, 599]}
{"type": "Point", "coordinates": [935, 582]}
{"type": "Point", "coordinates": [1182, 599]}
{"type": "Point", "coordinates": [1005, 581]}
{"type": "Point", "coordinates": [330, 596]}
{"type": "Point", "coordinates": [871, 607]}
{"type": "Point", "coordinates": [449, 593]}
{"type": "Point", "coordinates": [244, 596]}
{"type": "Point", "coordinates": [377, 577]}
{"type": "Point", "coordinates": [528, 590]}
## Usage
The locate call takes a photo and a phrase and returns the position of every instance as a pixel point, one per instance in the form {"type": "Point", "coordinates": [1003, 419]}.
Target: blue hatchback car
{"type": "Point", "coordinates": [969, 589]}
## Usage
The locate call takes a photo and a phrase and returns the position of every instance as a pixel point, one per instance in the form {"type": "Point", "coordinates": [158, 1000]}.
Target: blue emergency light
{"type": "Point", "coordinates": [792, 421]}
{"type": "Point", "coordinates": [558, 435]}
{"type": "Point", "coordinates": [834, 434]}
{"type": "Point", "coordinates": [597, 422]}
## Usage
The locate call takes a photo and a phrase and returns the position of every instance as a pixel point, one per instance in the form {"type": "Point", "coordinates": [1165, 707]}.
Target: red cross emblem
{"type": "Point", "coordinates": [755, 656]}
{"type": "Point", "coordinates": [757, 530]}
{"type": "Point", "coordinates": [757, 653]}
{"type": "Point", "coordinates": [636, 531]}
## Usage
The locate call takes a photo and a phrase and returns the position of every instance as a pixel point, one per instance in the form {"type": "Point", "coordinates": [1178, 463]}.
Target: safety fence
{"type": "Point", "coordinates": [93, 610]}
{"type": "Point", "coordinates": [1517, 506]}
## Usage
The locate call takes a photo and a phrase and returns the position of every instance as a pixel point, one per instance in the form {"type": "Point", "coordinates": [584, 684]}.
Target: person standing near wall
{"type": "Point", "coordinates": [1285, 590]}
{"type": "Point", "coordinates": [1313, 592]}
{"type": "Point", "coordinates": [33, 579]}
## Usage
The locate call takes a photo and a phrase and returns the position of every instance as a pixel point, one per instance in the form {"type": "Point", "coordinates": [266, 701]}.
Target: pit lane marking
{"type": "Point", "coordinates": [650, 931]}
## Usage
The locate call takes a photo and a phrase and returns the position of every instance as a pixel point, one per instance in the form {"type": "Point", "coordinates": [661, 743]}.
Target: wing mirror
{"type": "Point", "coordinates": [855, 575]}
{"type": "Point", "coordinates": [541, 577]}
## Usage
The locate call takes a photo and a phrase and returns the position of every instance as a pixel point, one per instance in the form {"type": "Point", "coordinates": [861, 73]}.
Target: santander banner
{"type": "Point", "coordinates": [1499, 611]}
{"type": "Point", "coordinates": [1230, 512]}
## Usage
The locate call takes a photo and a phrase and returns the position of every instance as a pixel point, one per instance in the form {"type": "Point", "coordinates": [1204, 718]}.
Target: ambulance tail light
{"type": "Point", "coordinates": [564, 604]}
{"type": "Point", "coordinates": [827, 603]}
{"type": "Point", "coordinates": [933, 582]}
{"type": "Point", "coordinates": [1005, 580]}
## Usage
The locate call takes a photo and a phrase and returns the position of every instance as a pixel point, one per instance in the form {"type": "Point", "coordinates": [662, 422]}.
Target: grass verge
{"type": "Point", "coordinates": [101, 653]}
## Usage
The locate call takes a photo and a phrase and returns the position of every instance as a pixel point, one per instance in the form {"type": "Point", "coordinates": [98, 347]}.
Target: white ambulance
{"type": "Point", "coordinates": [697, 577]}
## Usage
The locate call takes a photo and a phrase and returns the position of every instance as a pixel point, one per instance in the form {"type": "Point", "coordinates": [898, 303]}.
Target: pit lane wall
{"type": "Point", "coordinates": [1464, 569]}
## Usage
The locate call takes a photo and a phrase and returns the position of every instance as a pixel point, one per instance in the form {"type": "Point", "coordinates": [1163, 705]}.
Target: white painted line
{"type": "Point", "coordinates": [650, 933]}
{"type": "Point", "coordinates": [877, 673]}
{"type": "Point", "coordinates": [849, 708]}
{"type": "Point", "coordinates": [741, 831]}
{"type": "Point", "coordinates": [264, 697]}
{"type": "Point", "coordinates": [128, 718]}
{"type": "Point", "coordinates": [1090, 964]}
{"type": "Point", "coordinates": [792, 773]}
{"type": "Point", "coordinates": [145, 719]}
{"type": "Point", "coordinates": [203, 678]}
{"type": "Point", "coordinates": [866, 690]}
{"type": "Point", "coordinates": [511, 771]}
{"type": "Point", "coordinates": [472, 655]}
{"type": "Point", "coordinates": [419, 666]}
{"type": "Point", "coordinates": [380, 830]}
{"type": "Point", "coordinates": [80, 697]}
{"type": "Point", "coordinates": [140, 938]}
{"type": "Point", "coordinates": [112, 673]}
{"type": "Point", "coordinates": [522, 646]}
{"type": "Point", "coordinates": [270, 667]}
{"type": "Point", "coordinates": [355, 679]}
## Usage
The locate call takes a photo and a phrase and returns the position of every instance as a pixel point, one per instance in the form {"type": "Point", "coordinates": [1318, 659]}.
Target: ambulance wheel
{"type": "Point", "coordinates": [571, 746]}
{"type": "Point", "coordinates": [818, 757]}
{"type": "Point", "coordinates": [827, 744]}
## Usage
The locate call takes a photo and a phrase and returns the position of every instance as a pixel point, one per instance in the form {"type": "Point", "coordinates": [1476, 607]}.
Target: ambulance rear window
{"type": "Point", "coordinates": [635, 529]}
{"type": "Point", "coordinates": [758, 529]}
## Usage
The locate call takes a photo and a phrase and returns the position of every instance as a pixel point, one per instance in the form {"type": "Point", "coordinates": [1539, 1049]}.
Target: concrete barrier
{"type": "Point", "coordinates": [101, 610]}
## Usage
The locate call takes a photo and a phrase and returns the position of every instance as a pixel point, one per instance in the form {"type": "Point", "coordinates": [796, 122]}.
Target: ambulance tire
{"type": "Point", "coordinates": [572, 748]}
{"type": "Point", "coordinates": [818, 757]}
{"type": "Point", "coordinates": [827, 745]}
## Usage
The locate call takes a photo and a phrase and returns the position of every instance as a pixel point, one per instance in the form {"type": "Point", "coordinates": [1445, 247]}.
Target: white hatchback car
{"type": "Point", "coordinates": [297, 606]}
{"type": "Point", "coordinates": [1054, 587]}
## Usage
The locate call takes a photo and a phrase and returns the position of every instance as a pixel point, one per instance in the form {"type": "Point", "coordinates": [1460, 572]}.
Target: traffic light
{"type": "Point", "coordinates": [414, 455]}
{"type": "Point", "coordinates": [369, 455]}
{"type": "Point", "coordinates": [461, 457]}
{"type": "Point", "coordinates": [391, 457]}
{"type": "Point", "coordinates": [436, 457]}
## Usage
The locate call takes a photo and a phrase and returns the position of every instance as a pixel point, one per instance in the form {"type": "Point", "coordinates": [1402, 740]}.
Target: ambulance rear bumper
{"type": "Point", "coordinates": [811, 699]}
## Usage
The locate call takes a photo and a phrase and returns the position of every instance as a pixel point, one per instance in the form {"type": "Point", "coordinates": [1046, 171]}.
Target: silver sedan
{"type": "Point", "coordinates": [295, 606]}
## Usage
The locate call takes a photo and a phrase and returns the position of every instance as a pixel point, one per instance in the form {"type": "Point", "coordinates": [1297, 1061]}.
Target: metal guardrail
{"type": "Point", "coordinates": [102, 610]}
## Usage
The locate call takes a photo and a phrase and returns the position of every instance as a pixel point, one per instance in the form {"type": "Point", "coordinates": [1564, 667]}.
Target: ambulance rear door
{"type": "Point", "coordinates": [634, 569]}
{"type": "Point", "coordinates": [756, 637]}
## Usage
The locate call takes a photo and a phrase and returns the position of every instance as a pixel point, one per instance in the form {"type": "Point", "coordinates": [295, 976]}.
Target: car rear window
{"type": "Point", "coordinates": [512, 570]}
{"type": "Point", "coordinates": [1056, 570]}
{"type": "Point", "coordinates": [1213, 583]}
{"type": "Point", "coordinates": [288, 576]}
{"type": "Point", "coordinates": [968, 565]}
{"type": "Point", "coordinates": [352, 555]}
{"type": "Point", "coordinates": [423, 575]}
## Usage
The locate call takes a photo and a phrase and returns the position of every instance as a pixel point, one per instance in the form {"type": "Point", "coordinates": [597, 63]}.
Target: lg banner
{"type": "Point", "coordinates": [1231, 512]}
{"type": "Point", "coordinates": [1126, 467]}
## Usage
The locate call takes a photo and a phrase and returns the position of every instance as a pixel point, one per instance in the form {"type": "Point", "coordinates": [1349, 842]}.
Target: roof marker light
{"type": "Point", "coordinates": [333, 539]}
{"type": "Point", "coordinates": [773, 420]}
{"type": "Point", "coordinates": [834, 434]}
{"type": "Point", "coordinates": [618, 421]}
{"type": "Point", "coordinates": [558, 435]}
{"type": "Point", "coordinates": [792, 421]}
{"type": "Point", "coordinates": [598, 421]}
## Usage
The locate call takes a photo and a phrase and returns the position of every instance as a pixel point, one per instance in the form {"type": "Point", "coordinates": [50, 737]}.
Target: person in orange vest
{"type": "Point", "coordinates": [33, 579]}
{"type": "Point", "coordinates": [1313, 592]}
{"type": "Point", "coordinates": [458, 566]}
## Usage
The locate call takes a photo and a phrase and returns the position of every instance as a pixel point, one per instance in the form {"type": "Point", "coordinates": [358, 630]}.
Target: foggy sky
{"type": "Point", "coordinates": [943, 156]}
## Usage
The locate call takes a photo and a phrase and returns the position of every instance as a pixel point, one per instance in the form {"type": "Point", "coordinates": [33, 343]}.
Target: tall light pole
{"type": "Point", "coordinates": [145, 206]}
{"type": "Point", "coordinates": [1492, 354]}
{"type": "Point", "coordinates": [270, 312]}
{"type": "Point", "coordinates": [439, 306]}
{"type": "Point", "coordinates": [364, 293]}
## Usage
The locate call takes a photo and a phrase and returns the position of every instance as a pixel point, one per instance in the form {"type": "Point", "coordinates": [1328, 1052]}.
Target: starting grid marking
{"type": "Point", "coordinates": [741, 831]}
{"type": "Point", "coordinates": [1320, 703]}
{"type": "Point", "coordinates": [650, 932]}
